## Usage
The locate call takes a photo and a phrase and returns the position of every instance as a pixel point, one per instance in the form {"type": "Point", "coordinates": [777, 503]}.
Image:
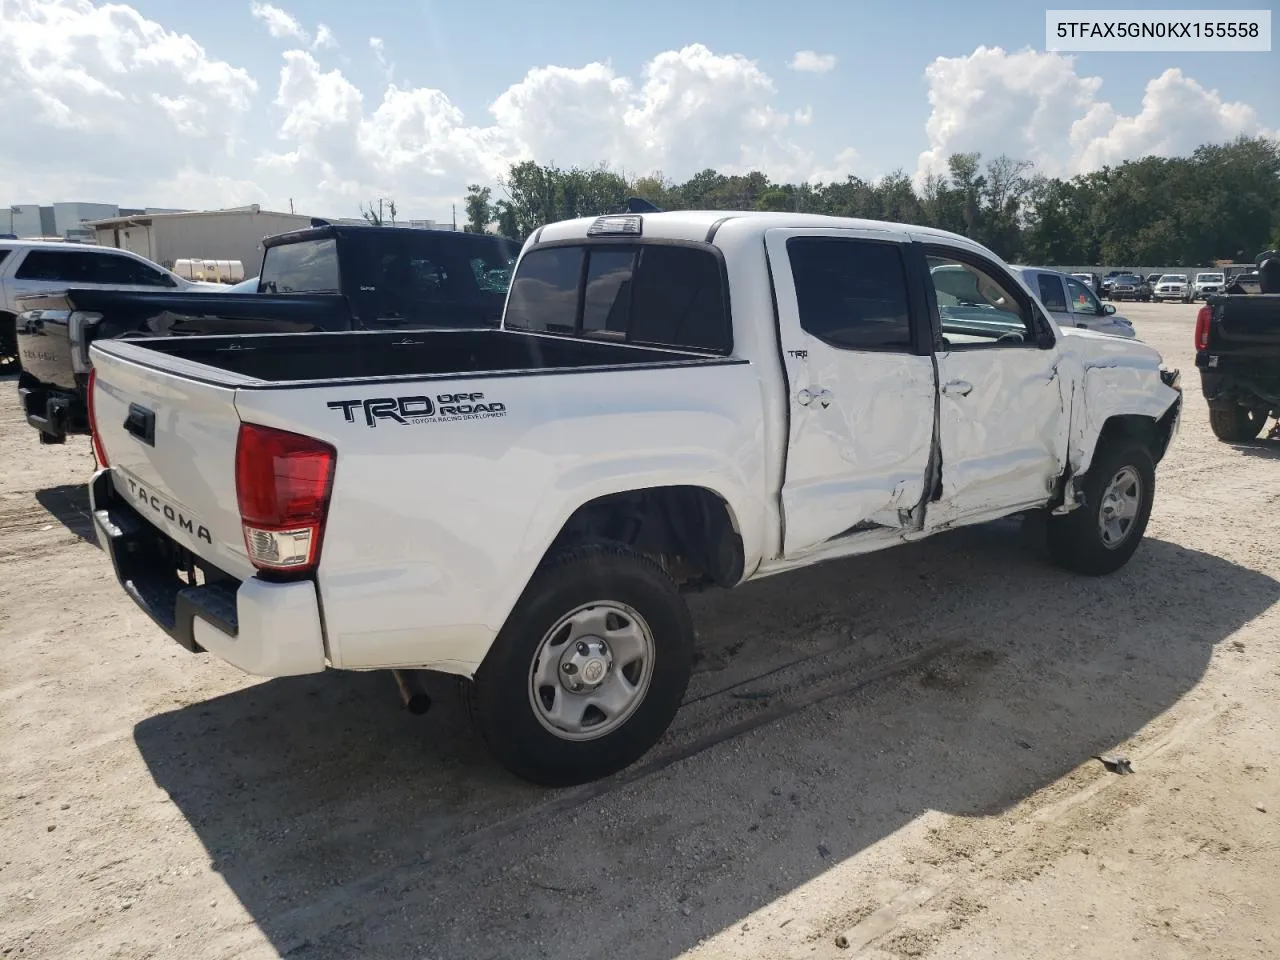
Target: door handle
{"type": "Point", "coordinates": [807, 396]}
{"type": "Point", "coordinates": [141, 423]}
{"type": "Point", "coordinates": [958, 388]}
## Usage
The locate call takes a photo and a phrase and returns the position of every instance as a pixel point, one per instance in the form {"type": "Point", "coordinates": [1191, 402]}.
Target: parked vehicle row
{"type": "Point", "coordinates": [671, 402]}
{"type": "Point", "coordinates": [1128, 285]}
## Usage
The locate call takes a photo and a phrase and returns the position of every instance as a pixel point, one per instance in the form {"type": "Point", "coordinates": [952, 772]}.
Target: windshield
{"type": "Point", "coordinates": [309, 266]}
{"type": "Point", "coordinates": [1128, 278]}
{"type": "Point", "coordinates": [1209, 277]}
{"type": "Point", "coordinates": [1173, 278]}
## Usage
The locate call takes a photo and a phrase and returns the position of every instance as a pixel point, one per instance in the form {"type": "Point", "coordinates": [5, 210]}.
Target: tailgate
{"type": "Point", "coordinates": [1247, 320]}
{"type": "Point", "coordinates": [170, 440]}
{"type": "Point", "coordinates": [43, 332]}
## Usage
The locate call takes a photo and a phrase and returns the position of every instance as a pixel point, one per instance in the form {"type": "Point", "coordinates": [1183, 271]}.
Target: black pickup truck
{"type": "Point", "coordinates": [1237, 343]}
{"type": "Point", "coordinates": [326, 277]}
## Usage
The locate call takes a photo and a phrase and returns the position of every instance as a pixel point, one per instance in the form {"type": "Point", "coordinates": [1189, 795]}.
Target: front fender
{"type": "Point", "coordinates": [1113, 378]}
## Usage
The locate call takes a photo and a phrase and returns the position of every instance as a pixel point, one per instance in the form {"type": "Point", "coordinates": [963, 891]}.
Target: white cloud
{"type": "Point", "coordinates": [1035, 106]}
{"type": "Point", "coordinates": [1177, 115]}
{"type": "Point", "coordinates": [108, 102]}
{"type": "Point", "coordinates": [807, 61]}
{"type": "Point", "coordinates": [803, 117]}
{"type": "Point", "coordinates": [847, 164]}
{"type": "Point", "coordinates": [379, 48]}
{"type": "Point", "coordinates": [324, 38]}
{"type": "Point", "coordinates": [691, 108]}
{"type": "Point", "coordinates": [280, 23]}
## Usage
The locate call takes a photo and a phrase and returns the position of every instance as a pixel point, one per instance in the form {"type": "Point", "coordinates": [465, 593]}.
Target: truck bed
{"type": "Point", "coordinates": [334, 358]}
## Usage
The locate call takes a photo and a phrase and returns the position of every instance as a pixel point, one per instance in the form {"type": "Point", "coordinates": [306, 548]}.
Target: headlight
{"type": "Point", "coordinates": [1171, 378]}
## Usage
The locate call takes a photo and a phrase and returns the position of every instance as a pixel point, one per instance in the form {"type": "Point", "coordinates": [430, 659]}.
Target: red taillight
{"type": "Point", "coordinates": [1202, 327]}
{"type": "Point", "coordinates": [98, 452]}
{"type": "Point", "coordinates": [283, 482]}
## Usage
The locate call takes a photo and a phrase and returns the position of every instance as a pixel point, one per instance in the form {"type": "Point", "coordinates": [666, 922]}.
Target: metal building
{"type": "Point", "coordinates": [71, 219]}
{"type": "Point", "coordinates": [232, 234]}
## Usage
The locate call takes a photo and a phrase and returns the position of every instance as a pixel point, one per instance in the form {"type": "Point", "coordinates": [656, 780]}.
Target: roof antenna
{"type": "Point", "coordinates": [641, 205]}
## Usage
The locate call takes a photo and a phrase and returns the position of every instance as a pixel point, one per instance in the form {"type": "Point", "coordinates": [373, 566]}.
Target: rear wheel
{"type": "Point", "coordinates": [1232, 423]}
{"type": "Point", "coordinates": [589, 669]}
{"type": "Point", "coordinates": [1119, 489]}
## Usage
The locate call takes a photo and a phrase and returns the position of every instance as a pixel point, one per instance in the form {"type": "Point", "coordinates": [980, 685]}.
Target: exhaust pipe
{"type": "Point", "coordinates": [414, 695]}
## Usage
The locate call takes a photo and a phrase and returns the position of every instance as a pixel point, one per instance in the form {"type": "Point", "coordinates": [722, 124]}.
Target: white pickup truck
{"type": "Point", "coordinates": [674, 401]}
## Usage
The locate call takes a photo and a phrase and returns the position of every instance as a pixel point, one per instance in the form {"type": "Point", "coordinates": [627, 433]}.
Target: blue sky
{"type": "Point", "coordinates": [743, 105]}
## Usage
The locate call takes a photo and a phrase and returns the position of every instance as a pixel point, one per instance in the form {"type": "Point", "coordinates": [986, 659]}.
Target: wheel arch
{"type": "Point", "coordinates": [1155, 433]}
{"type": "Point", "coordinates": [691, 530]}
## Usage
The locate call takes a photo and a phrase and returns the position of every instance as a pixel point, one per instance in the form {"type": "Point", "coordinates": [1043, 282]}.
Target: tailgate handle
{"type": "Point", "coordinates": [141, 422]}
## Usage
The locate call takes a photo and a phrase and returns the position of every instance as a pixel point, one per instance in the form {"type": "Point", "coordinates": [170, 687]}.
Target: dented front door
{"type": "Point", "coordinates": [1001, 410]}
{"type": "Point", "coordinates": [861, 390]}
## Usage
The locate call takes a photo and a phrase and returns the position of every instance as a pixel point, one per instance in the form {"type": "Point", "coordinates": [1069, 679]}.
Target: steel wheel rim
{"type": "Point", "coordinates": [1118, 511]}
{"type": "Point", "coordinates": [591, 670]}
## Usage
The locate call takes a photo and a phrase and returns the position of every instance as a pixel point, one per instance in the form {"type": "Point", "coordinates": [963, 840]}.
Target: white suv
{"type": "Point", "coordinates": [1208, 283]}
{"type": "Point", "coordinates": [50, 266]}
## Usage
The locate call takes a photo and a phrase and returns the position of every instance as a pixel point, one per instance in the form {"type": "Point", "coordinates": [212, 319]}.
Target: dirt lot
{"type": "Point", "coordinates": [884, 757]}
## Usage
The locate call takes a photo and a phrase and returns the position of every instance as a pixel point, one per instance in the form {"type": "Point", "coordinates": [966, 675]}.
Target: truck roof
{"type": "Point", "coordinates": [702, 224]}
{"type": "Point", "coordinates": [51, 243]}
{"type": "Point", "coordinates": [363, 229]}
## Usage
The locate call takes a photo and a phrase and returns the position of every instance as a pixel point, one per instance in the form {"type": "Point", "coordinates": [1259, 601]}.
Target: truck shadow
{"type": "Point", "coordinates": [1263, 447]}
{"type": "Point", "coordinates": [68, 503]}
{"type": "Point", "coordinates": [347, 828]}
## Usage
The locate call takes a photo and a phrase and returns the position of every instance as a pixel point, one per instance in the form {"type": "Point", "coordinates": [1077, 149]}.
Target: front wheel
{"type": "Point", "coordinates": [589, 670]}
{"type": "Point", "coordinates": [1232, 423]}
{"type": "Point", "coordinates": [1100, 536]}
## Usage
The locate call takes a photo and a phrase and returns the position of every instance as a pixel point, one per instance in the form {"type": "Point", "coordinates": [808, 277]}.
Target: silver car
{"type": "Point", "coordinates": [1073, 304]}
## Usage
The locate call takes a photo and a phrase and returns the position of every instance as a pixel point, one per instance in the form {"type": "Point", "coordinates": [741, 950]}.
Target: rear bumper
{"type": "Point", "coordinates": [266, 629]}
{"type": "Point", "coordinates": [55, 412]}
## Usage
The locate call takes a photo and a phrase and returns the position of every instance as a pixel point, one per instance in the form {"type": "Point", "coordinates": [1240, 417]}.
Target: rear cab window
{"type": "Point", "coordinates": [644, 292]}
{"type": "Point", "coordinates": [306, 266]}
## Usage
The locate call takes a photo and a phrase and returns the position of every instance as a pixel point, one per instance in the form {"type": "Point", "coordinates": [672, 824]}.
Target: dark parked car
{"type": "Point", "coordinates": [1130, 286]}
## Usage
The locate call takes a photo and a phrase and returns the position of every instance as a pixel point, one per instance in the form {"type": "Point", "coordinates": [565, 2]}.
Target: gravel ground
{"type": "Point", "coordinates": [890, 756]}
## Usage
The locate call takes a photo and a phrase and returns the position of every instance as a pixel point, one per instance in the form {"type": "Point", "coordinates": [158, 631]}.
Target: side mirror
{"type": "Point", "coordinates": [1108, 308]}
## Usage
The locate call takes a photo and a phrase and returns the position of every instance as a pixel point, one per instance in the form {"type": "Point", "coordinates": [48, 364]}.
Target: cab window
{"type": "Point", "coordinates": [1082, 298]}
{"type": "Point", "coordinates": [978, 309]}
{"type": "Point", "coordinates": [645, 293]}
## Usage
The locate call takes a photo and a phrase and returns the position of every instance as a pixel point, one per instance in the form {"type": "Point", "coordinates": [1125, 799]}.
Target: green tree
{"type": "Point", "coordinates": [1222, 202]}
{"type": "Point", "coordinates": [479, 209]}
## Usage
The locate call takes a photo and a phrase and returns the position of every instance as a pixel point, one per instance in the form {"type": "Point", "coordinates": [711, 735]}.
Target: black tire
{"type": "Point", "coordinates": [1076, 540]}
{"type": "Point", "coordinates": [500, 697]}
{"type": "Point", "coordinates": [1232, 423]}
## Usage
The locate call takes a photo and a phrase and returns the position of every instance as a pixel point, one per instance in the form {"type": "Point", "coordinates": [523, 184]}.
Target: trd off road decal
{"type": "Point", "coordinates": [442, 408]}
